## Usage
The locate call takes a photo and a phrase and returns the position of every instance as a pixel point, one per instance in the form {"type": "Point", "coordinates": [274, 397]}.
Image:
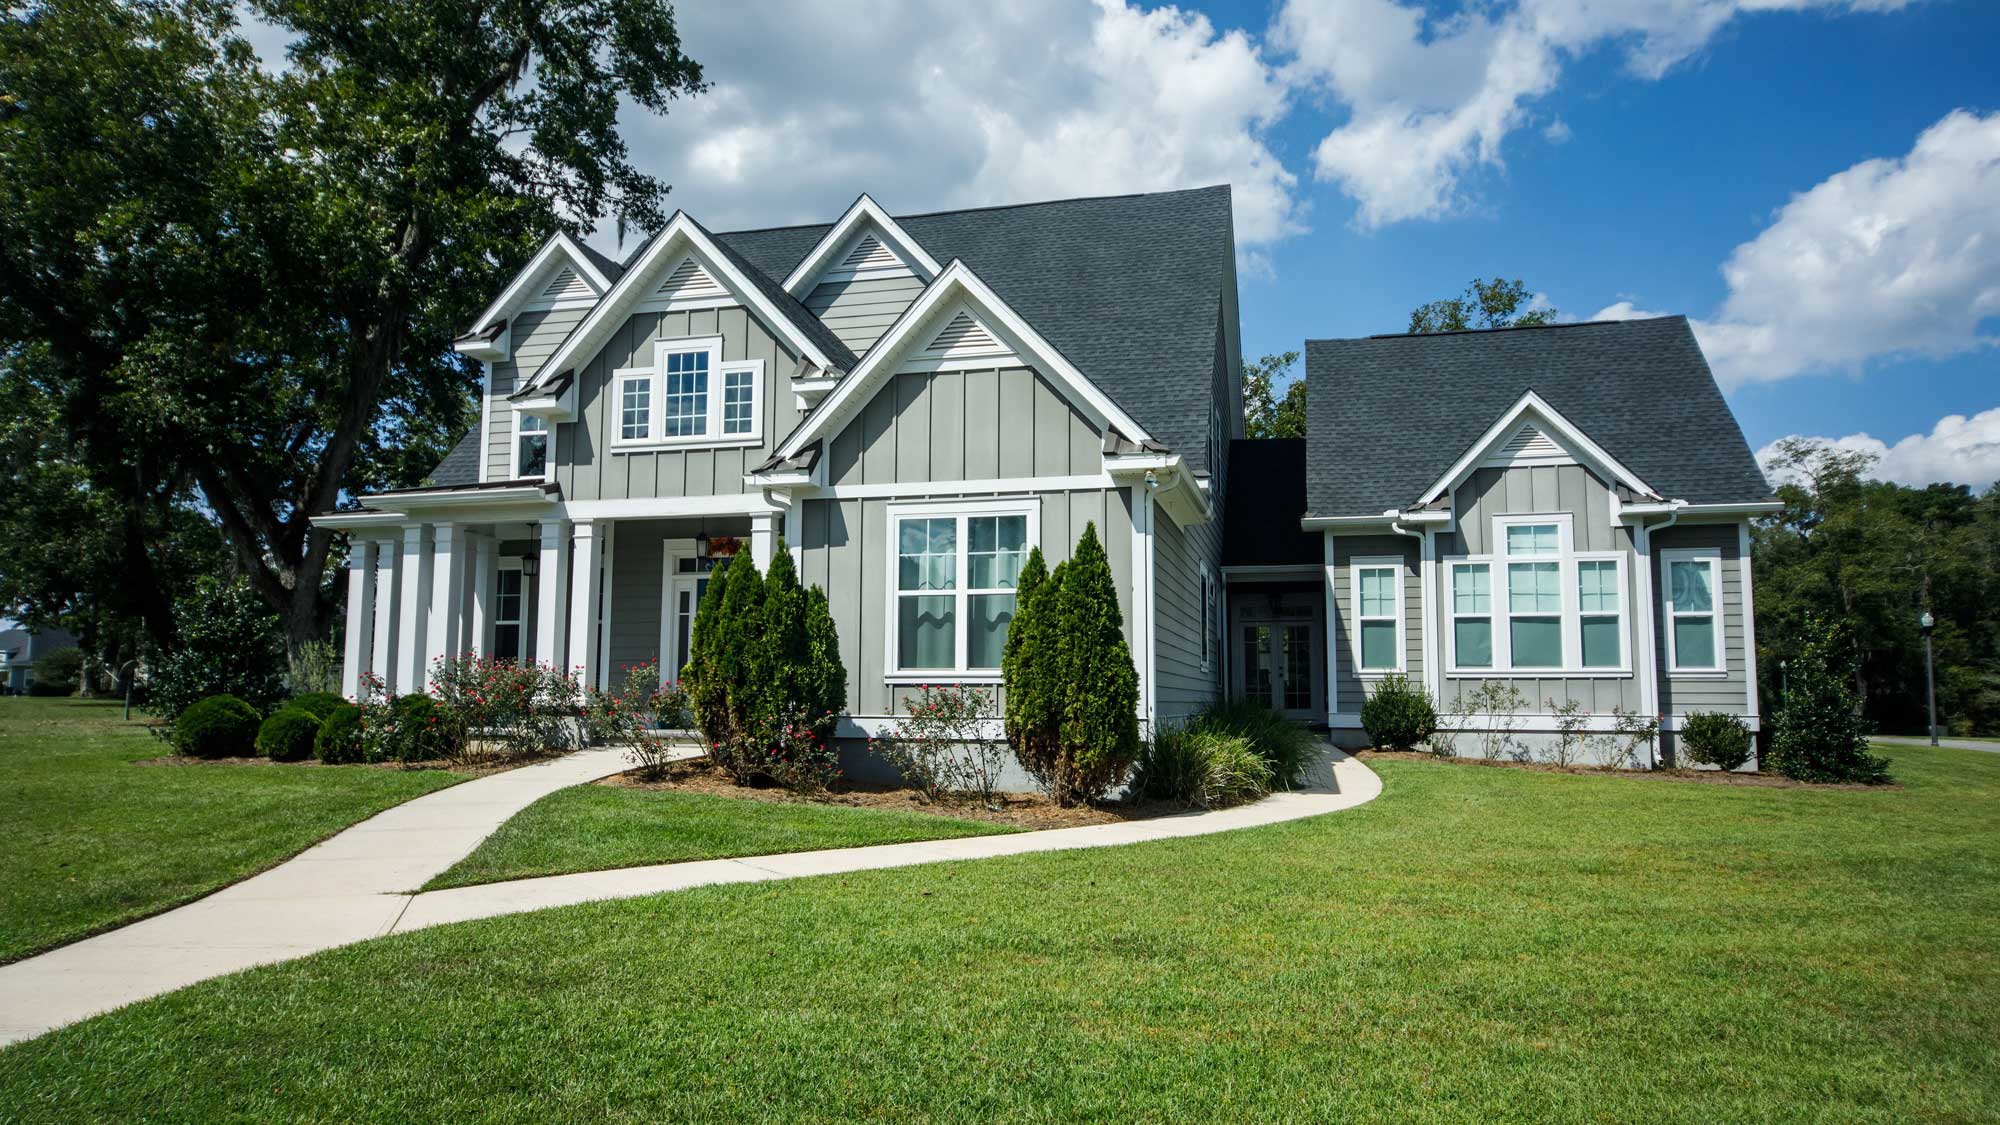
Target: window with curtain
{"type": "Point", "coordinates": [1378, 621]}
{"type": "Point", "coordinates": [955, 581]}
{"type": "Point", "coordinates": [1693, 617]}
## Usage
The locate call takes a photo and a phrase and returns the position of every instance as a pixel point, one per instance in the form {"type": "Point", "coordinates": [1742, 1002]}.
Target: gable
{"type": "Point", "coordinates": [1530, 444]}
{"type": "Point", "coordinates": [689, 281]}
{"type": "Point", "coordinates": [963, 336]}
{"type": "Point", "coordinates": [561, 275]}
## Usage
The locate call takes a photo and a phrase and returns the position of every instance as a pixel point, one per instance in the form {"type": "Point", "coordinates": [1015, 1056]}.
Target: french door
{"type": "Point", "coordinates": [1278, 667]}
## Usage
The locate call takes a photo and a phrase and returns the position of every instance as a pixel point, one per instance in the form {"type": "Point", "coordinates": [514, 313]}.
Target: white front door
{"type": "Point", "coordinates": [686, 580]}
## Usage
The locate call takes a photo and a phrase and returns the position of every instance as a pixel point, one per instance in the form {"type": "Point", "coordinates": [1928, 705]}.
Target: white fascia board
{"type": "Point", "coordinates": [359, 521]}
{"type": "Point", "coordinates": [958, 282]}
{"type": "Point", "coordinates": [680, 233]}
{"type": "Point", "coordinates": [534, 495]}
{"type": "Point", "coordinates": [1565, 430]}
{"type": "Point", "coordinates": [554, 408]}
{"type": "Point", "coordinates": [1732, 511]}
{"type": "Point", "coordinates": [517, 290]}
{"type": "Point", "coordinates": [1392, 516]}
{"type": "Point", "coordinates": [863, 211]}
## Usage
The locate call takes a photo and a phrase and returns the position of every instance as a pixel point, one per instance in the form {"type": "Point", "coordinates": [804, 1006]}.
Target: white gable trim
{"type": "Point", "coordinates": [680, 240]}
{"type": "Point", "coordinates": [957, 288]}
{"type": "Point", "coordinates": [523, 289]}
{"type": "Point", "coordinates": [1531, 408]}
{"type": "Point", "coordinates": [827, 256]}
{"type": "Point", "coordinates": [1528, 445]}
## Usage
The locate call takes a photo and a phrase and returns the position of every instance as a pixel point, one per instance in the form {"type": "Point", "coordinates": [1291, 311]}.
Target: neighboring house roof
{"type": "Point", "coordinates": [1388, 415]}
{"type": "Point", "coordinates": [1129, 288]}
{"type": "Point", "coordinates": [1267, 497]}
{"type": "Point", "coordinates": [460, 467]}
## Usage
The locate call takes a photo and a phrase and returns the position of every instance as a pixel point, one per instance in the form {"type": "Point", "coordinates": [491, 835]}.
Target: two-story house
{"type": "Point", "coordinates": [911, 402]}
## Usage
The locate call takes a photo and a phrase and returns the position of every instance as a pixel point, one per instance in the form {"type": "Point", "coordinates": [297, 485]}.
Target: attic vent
{"type": "Point", "coordinates": [567, 286]}
{"type": "Point", "coordinates": [869, 254]}
{"type": "Point", "coordinates": [689, 280]}
{"type": "Point", "coordinates": [1529, 446]}
{"type": "Point", "coordinates": [963, 336]}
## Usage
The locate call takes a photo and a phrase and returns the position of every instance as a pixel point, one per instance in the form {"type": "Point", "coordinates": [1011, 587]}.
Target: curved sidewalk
{"type": "Point", "coordinates": [357, 885]}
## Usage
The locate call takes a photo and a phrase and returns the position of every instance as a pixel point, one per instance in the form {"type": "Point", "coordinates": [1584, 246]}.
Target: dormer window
{"type": "Point", "coordinates": [690, 396]}
{"type": "Point", "coordinates": [531, 453]}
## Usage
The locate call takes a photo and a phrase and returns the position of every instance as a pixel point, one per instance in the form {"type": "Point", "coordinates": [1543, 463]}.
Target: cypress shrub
{"type": "Point", "coordinates": [221, 726]}
{"type": "Point", "coordinates": [706, 690]}
{"type": "Point", "coordinates": [826, 677]}
{"type": "Point", "coordinates": [735, 657]}
{"type": "Point", "coordinates": [288, 735]}
{"type": "Point", "coordinates": [1029, 717]}
{"type": "Point", "coordinates": [780, 655]}
{"type": "Point", "coordinates": [1818, 734]}
{"type": "Point", "coordinates": [338, 742]}
{"type": "Point", "coordinates": [1076, 673]}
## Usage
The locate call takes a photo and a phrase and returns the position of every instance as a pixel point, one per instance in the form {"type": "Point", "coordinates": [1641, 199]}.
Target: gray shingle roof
{"type": "Point", "coordinates": [1129, 288]}
{"type": "Point", "coordinates": [461, 465]}
{"type": "Point", "coordinates": [1388, 415]}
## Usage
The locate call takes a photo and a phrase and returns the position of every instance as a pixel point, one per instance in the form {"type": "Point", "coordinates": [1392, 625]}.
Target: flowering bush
{"type": "Point", "coordinates": [797, 756]}
{"type": "Point", "coordinates": [938, 747]}
{"type": "Point", "coordinates": [509, 709]}
{"type": "Point", "coordinates": [639, 713]}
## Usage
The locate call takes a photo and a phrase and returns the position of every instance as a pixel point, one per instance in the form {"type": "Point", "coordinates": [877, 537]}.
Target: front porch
{"type": "Point", "coordinates": [529, 578]}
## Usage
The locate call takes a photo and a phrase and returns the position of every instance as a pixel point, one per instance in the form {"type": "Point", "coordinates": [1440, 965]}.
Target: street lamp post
{"type": "Point", "coordinates": [1930, 678]}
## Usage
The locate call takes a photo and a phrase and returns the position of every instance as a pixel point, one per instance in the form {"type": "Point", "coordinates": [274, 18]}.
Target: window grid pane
{"type": "Point", "coordinates": [995, 550]}
{"type": "Point", "coordinates": [635, 405]}
{"type": "Point", "coordinates": [1537, 642]}
{"type": "Point", "coordinates": [1378, 592]}
{"type": "Point", "coordinates": [1694, 642]}
{"type": "Point", "coordinates": [1378, 645]}
{"type": "Point", "coordinates": [1691, 588]}
{"type": "Point", "coordinates": [987, 618]}
{"type": "Point", "coordinates": [738, 391]}
{"type": "Point", "coordinates": [1597, 586]}
{"type": "Point", "coordinates": [1472, 589]}
{"type": "Point", "coordinates": [1534, 588]}
{"type": "Point", "coordinates": [1473, 641]}
{"type": "Point", "coordinates": [927, 554]}
{"type": "Point", "coordinates": [1533, 539]}
{"type": "Point", "coordinates": [1601, 643]}
{"type": "Point", "coordinates": [928, 629]}
{"type": "Point", "coordinates": [687, 394]}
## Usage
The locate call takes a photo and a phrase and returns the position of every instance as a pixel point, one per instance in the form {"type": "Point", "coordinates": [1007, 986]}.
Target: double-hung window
{"type": "Point", "coordinates": [1378, 615]}
{"type": "Point", "coordinates": [1692, 581]}
{"type": "Point", "coordinates": [689, 396]}
{"type": "Point", "coordinates": [1536, 604]}
{"type": "Point", "coordinates": [531, 453]}
{"type": "Point", "coordinates": [952, 586]}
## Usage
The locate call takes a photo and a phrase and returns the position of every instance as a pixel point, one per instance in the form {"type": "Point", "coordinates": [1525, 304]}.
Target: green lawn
{"type": "Point", "coordinates": [1475, 944]}
{"type": "Point", "coordinates": [92, 840]}
{"type": "Point", "coordinates": [595, 827]}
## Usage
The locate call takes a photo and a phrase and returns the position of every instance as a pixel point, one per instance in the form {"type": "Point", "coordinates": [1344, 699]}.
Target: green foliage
{"type": "Point", "coordinates": [825, 680]}
{"type": "Point", "coordinates": [502, 709]}
{"type": "Point", "coordinates": [60, 670]}
{"type": "Point", "coordinates": [220, 726]}
{"type": "Point", "coordinates": [1083, 656]}
{"type": "Point", "coordinates": [1202, 768]}
{"type": "Point", "coordinates": [1484, 304]}
{"type": "Point", "coordinates": [318, 704]}
{"type": "Point", "coordinates": [1033, 695]}
{"type": "Point", "coordinates": [1287, 747]}
{"type": "Point", "coordinates": [419, 731]}
{"type": "Point", "coordinates": [230, 643]}
{"type": "Point", "coordinates": [1875, 555]}
{"type": "Point", "coordinates": [1712, 738]}
{"type": "Point", "coordinates": [339, 741]}
{"type": "Point", "coordinates": [1818, 733]}
{"type": "Point", "coordinates": [1398, 714]}
{"type": "Point", "coordinates": [316, 669]}
{"type": "Point", "coordinates": [1266, 413]}
{"type": "Point", "coordinates": [707, 689]}
{"type": "Point", "coordinates": [288, 735]}
{"type": "Point", "coordinates": [937, 746]}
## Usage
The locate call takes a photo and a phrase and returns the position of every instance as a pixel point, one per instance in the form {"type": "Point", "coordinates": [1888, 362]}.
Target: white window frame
{"type": "Point", "coordinates": [1499, 587]}
{"type": "Point", "coordinates": [1452, 615]}
{"type": "Point", "coordinates": [962, 510]}
{"type": "Point", "coordinates": [1378, 562]}
{"type": "Point", "coordinates": [1208, 629]}
{"type": "Point", "coordinates": [547, 433]}
{"type": "Point", "coordinates": [656, 405]}
{"type": "Point", "coordinates": [1712, 556]}
{"type": "Point", "coordinates": [505, 564]}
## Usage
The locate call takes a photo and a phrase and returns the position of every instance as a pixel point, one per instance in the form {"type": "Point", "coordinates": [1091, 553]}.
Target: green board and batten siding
{"type": "Point", "coordinates": [860, 311]}
{"type": "Point", "coordinates": [1680, 695]}
{"type": "Point", "coordinates": [1350, 688]}
{"type": "Point", "coordinates": [925, 428]}
{"type": "Point", "coordinates": [535, 337]}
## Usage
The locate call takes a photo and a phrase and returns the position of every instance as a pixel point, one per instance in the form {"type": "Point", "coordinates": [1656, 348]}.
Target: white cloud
{"type": "Point", "coordinates": [1958, 449]}
{"type": "Point", "coordinates": [1432, 99]}
{"type": "Point", "coordinates": [930, 104]}
{"type": "Point", "coordinates": [1892, 257]}
{"type": "Point", "coordinates": [1624, 310]}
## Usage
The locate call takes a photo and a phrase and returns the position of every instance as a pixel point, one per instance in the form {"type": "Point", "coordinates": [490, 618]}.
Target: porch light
{"type": "Point", "coordinates": [529, 564]}
{"type": "Point", "coordinates": [701, 543]}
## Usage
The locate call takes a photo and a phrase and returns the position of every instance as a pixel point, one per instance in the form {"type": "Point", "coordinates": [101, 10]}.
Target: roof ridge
{"type": "Point", "coordinates": [1493, 331]}
{"type": "Point", "coordinates": [990, 207]}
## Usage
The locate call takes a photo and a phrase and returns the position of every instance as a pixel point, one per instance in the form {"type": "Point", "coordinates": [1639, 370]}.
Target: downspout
{"type": "Point", "coordinates": [1649, 687]}
{"type": "Point", "coordinates": [1433, 682]}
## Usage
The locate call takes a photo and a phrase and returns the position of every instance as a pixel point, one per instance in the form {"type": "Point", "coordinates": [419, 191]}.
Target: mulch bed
{"type": "Point", "coordinates": [1018, 810]}
{"type": "Point", "coordinates": [1702, 777]}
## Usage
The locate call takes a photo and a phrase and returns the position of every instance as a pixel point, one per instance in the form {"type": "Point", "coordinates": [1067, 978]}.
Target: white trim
{"type": "Point", "coordinates": [1396, 566]}
{"type": "Point", "coordinates": [1392, 516]}
{"type": "Point", "coordinates": [714, 392]}
{"type": "Point", "coordinates": [1712, 556]}
{"type": "Point", "coordinates": [589, 336]}
{"type": "Point", "coordinates": [603, 607]}
{"type": "Point", "coordinates": [958, 283]}
{"type": "Point", "coordinates": [1427, 614]}
{"type": "Point", "coordinates": [485, 416]}
{"type": "Point", "coordinates": [924, 489]}
{"type": "Point", "coordinates": [1647, 661]}
{"type": "Point", "coordinates": [1532, 404]}
{"type": "Point", "coordinates": [547, 433]}
{"type": "Point", "coordinates": [1330, 599]}
{"type": "Point", "coordinates": [1144, 592]}
{"type": "Point", "coordinates": [1751, 703]}
{"type": "Point", "coordinates": [807, 274]}
{"type": "Point", "coordinates": [961, 592]}
{"type": "Point", "coordinates": [1209, 633]}
{"type": "Point", "coordinates": [560, 242]}
{"type": "Point", "coordinates": [664, 507]}
{"type": "Point", "coordinates": [359, 521]}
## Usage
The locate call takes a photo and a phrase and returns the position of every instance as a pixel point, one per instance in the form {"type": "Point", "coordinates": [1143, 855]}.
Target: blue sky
{"type": "Point", "coordinates": [1815, 183]}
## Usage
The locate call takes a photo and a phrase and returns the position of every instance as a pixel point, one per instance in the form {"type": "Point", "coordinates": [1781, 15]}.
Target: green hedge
{"type": "Point", "coordinates": [338, 742]}
{"type": "Point", "coordinates": [288, 735]}
{"type": "Point", "coordinates": [221, 726]}
{"type": "Point", "coordinates": [318, 704]}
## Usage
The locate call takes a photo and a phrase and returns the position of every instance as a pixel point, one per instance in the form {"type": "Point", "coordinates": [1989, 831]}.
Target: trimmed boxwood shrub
{"type": "Point", "coordinates": [221, 726]}
{"type": "Point", "coordinates": [288, 735]}
{"type": "Point", "coordinates": [420, 733]}
{"type": "Point", "coordinates": [318, 704]}
{"type": "Point", "coordinates": [1715, 739]}
{"type": "Point", "coordinates": [338, 742]}
{"type": "Point", "coordinates": [1398, 714]}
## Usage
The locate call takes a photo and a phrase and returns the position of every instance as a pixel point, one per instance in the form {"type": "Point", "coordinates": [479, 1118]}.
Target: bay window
{"type": "Point", "coordinates": [952, 585]}
{"type": "Point", "coordinates": [1691, 582]}
{"type": "Point", "coordinates": [1378, 615]}
{"type": "Point", "coordinates": [1537, 604]}
{"type": "Point", "coordinates": [689, 396]}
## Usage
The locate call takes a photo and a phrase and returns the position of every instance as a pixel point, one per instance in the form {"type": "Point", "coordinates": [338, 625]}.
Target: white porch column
{"type": "Point", "coordinates": [1143, 514]}
{"type": "Point", "coordinates": [552, 594]}
{"type": "Point", "coordinates": [485, 561]}
{"type": "Point", "coordinates": [441, 632]}
{"type": "Point", "coordinates": [585, 583]}
{"type": "Point", "coordinates": [382, 650]}
{"type": "Point", "coordinates": [763, 536]}
{"type": "Point", "coordinates": [360, 614]}
{"type": "Point", "coordinates": [413, 589]}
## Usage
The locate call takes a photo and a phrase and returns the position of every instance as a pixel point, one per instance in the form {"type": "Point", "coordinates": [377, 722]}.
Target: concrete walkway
{"type": "Point", "coordinates": [356, 885]}
{"type": "Point", "coordinates": [1948, 743]}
